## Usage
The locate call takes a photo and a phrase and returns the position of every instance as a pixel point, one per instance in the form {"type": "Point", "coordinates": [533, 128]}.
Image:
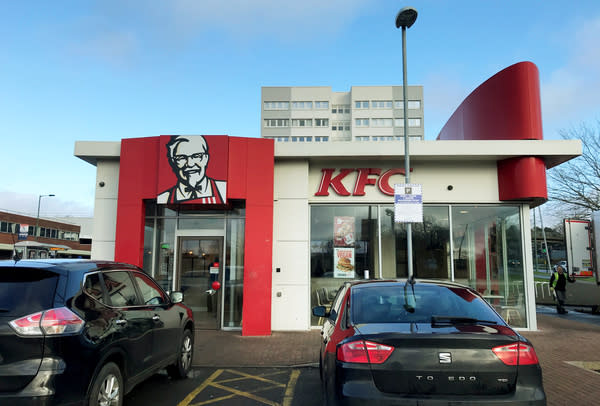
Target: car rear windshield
{"type": "Point", "coordinates": [418, 303]}
{"type": "Point", "coordinates": [25, 290]}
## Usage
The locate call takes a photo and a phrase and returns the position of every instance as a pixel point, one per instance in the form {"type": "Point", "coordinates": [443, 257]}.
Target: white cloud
{"type": "Point", "coordinates": [117, 31]}
{"type": "Point", "coordinates": [444, 91]}
{"type": "Point", "coordinates": [27, 204]}
{"type": "Point", "coordinates": [570, 91]}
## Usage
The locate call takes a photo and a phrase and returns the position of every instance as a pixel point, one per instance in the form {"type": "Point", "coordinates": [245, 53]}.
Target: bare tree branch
{"type": "Point", "coordinates": [574, 187]}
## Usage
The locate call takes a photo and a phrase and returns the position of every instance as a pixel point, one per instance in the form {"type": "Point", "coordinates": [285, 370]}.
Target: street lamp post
{"type": "Point", "coordinates": [37, 220]}
{"type": "Point", "coordinates": [405, 19]}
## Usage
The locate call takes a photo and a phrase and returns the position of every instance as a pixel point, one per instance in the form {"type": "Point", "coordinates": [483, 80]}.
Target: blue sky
{"type": "Point", "coordinates": [112, 69]}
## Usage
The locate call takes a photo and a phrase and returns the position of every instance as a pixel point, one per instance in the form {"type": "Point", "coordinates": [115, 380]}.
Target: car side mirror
{"type": "Point", "coordinates": [320, 311]}
{"type": "Point", "coordinates": [176, 297]}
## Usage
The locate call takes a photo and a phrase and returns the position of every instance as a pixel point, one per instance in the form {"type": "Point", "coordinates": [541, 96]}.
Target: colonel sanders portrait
{"type": "Point", "coordinates": [188, 157]}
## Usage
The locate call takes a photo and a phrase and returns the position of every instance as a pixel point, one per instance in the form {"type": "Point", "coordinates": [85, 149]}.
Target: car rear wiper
{"type": "Point", "coordinates": [458, 320]}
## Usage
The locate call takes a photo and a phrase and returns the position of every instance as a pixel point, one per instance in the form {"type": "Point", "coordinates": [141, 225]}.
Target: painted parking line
{"type": "Point", "coordinates": [219, 380]}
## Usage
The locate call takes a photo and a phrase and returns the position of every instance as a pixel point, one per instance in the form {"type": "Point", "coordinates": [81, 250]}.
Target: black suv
{"type": "Point", "coordinates": [85, 332]}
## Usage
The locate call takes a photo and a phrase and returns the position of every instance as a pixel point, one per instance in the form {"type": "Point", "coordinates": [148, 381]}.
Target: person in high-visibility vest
{"type": "Point", "coordinates": [558, 284]}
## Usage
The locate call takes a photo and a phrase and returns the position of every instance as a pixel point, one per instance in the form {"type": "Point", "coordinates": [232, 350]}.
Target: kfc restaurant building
{"type": "Point", "coordinates": [256, 233]}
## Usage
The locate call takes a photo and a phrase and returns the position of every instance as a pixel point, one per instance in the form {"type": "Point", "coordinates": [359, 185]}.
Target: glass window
{"type": "Point", "coordinates": [361, 122]}
{"type": "Point", "coordinates": [302, 105]}
{"type": "Point", "coordinates": [487, 256]}
{"type": "Point", "coordinates": [164, 257]}
{"type": "Point", "coordinates": [321, 122]}
{"type": "Point", "coordinates": [341, 248]}
{"type": "Point", "coordinates": [430, 241]}
{"type": "Point", "coordinates": [277, 123]}
{"type": "Point", "coordinates": [234, 274]}
{"type": "Point", "coordinates": [412, 122]}
{"type": "Point", "coordinates": [381, 122]}
{"type": "Point", "coordinates": [411, 105]}
{"type": "Point", "coordinates": [277, 105]}
{"type": "Point", "coordinates": [381, 104]}
{"type": "Point", "coordinates": [388, 304]}
{"type": "Point", "coordinates": [151, 294]}
{"type": "Point", "coordinates": [201, 223]}
{"type": "Point", "coordinates": [119, 288]}
{"type": "Point", "coordinates": [302, 122]}
{"type": "Point", "coordinates": [361, 104]}
{"type": "Point", "coordinates": [322, 105]}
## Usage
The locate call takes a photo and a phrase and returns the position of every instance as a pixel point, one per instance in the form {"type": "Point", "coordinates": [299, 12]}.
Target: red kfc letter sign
{"type": "Point", "coordinates": [362, 180]}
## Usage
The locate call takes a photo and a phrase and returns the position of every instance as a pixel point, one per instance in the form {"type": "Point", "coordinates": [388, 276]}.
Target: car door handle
{"type": "Point", "coordinates": [121, 322]}
{"type": "Point", "coordinates": [156, 317]}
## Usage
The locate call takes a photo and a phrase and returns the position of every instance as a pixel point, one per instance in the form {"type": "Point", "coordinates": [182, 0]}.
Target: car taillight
{"type": "Point", "coordinates": [50, 322]}
{"type": "Point", "coordinates": [516, 354]}
{"type": "Point", "coordinates": [363, 352]}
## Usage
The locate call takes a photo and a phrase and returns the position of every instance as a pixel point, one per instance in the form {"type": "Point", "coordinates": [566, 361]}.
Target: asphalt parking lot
{"type": "Point", "coordinates": [232, 387]}
{"type": "Point", "coordinates": [281, 369]}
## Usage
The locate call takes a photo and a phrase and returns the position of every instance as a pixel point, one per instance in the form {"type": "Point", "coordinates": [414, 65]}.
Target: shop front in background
{"type": "Point", "coordinates": [476, 245]}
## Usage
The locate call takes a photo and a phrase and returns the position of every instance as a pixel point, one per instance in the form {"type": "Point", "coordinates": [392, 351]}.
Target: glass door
{"type": "Point", "coordinates": [199, 266]}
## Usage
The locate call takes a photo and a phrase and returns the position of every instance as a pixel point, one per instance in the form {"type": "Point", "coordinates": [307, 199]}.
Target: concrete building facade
{"type": "Point", "coordinates": [318, 114]}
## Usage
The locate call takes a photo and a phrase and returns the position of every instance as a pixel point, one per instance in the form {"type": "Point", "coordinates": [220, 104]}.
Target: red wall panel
{"type": "Point", "coordinates": [506, 107]}
{"type": "Point", "coordinates": [523, 177]}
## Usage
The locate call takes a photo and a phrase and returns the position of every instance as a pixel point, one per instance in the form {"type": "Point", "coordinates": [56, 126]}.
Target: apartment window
{"type": "Point", "coordinates": [321, 104]}
{"type": "Point", "coordinates": [282, 139]}
{"type": "Point", "coordinates": [381, 122]}
{"type": "Point", "coordinates": [302, 105]}
{"type": "Point", "coordinates": [381, 104]}
{"type": "Point", "coordinates": [321, 139]}
{"type": "Point", "coordinates": [361, 104]}
{"type": "Point", "coordinates": [412, 104]}
{"type": "Point", "coordinates": [277, 105]}
{"type": "Point", "coordinates": [340, 109]}
{"type": "Point", "coordinates": [383, 138]}
{"type": "Point", "coordinates": [277, 122]}
{"type": "Point", "coordinates": [321, 122]}
{"type": "Point", "coordinates": [412, 122]}
{"type": "Point", "coordinates": [302, 122]}
{"type": "Point", "coordinates": [361, 122]}
{"type": "Point", "coordinates": [340, 126]}
{"type": "Point", "coordinates": [362, 138]}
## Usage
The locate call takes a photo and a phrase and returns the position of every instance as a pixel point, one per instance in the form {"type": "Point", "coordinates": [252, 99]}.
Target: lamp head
{"type": "Point", "coordinates": [406, 17]}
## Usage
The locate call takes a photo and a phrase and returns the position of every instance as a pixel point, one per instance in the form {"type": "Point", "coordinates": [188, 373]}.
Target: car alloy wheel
{"type": "Point", "coordinates": [106, 390]}
{"type": "Point", "coordinates": [186, 352]}
{"type": "Point", "coordinates": [182, 366]}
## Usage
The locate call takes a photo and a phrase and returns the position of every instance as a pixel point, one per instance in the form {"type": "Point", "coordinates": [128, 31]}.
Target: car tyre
{"type": "Point", "coordinates": [107, 387]}
{"type": "Point", "coordinates": [185, 355]}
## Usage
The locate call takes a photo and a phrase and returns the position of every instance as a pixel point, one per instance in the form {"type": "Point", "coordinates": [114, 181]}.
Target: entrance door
{"type": "Point", "coordinates": [199, 265]}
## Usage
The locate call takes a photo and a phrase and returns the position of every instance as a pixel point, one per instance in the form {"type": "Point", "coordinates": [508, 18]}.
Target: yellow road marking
{"type": "Point", "coordinates": [255, 377]}
{"type": "Point", "coordinates": [289, 390]}
{"type": "Point", "coordinates": [195, 392]}
{"type": "Point", "coordinates": [246, 395]}
{"type": "Point", "coordinates": [212, 381]}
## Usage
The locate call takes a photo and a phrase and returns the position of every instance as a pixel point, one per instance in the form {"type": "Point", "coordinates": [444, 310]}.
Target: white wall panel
{"type": "Point", "coordinates": [290, 308]}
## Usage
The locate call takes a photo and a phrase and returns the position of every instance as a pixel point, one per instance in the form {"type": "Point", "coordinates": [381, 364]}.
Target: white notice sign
{"type": "Point", "coordinates": [408, 203]}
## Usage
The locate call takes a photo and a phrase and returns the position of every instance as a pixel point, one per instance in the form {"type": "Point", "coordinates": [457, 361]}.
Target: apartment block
{"type": "Point", "coordinates": [318, 114]}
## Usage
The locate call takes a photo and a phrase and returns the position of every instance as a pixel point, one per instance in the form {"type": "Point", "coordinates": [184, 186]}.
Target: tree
{"type": "Point", "coordinates": [575, 185]}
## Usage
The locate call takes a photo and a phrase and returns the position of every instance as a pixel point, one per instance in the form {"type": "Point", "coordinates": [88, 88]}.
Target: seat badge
{"type": "Point", "coordinates": [445, 357]}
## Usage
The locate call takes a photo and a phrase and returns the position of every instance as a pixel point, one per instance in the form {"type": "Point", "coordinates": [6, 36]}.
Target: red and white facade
{"type": "Point", "coordinates": [490, 157]}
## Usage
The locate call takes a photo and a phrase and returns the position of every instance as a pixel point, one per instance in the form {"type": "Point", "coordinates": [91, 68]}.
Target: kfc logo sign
{"type": "Point", "coordinates": [365, 176]}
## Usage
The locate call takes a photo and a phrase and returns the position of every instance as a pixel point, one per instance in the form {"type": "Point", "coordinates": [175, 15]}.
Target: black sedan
{"type": "Point", "coordinates": [76, 332]}
{"type": "Point", "coordinates": [422, 342]}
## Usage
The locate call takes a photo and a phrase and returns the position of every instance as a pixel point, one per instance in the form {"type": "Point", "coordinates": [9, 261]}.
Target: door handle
{"type": "Point", "coordinates": [121, 322]}
{"type": "Point", "coordinates": [156, 317]}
